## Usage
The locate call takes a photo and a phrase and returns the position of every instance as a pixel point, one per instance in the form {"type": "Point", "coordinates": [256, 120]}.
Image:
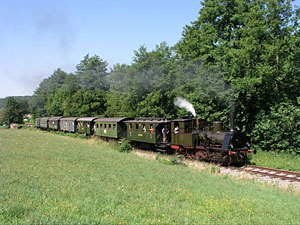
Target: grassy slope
{"type": "Point", "coordinates": [46, 178]}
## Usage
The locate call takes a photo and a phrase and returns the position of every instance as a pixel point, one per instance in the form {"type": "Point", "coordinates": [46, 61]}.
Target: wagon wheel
{"type": "Point", "coordinates": [180, 151]}
{"type": "Point", "coordinates": [197, 156]}
{"type": "Point", "coordinates": [190, 156]}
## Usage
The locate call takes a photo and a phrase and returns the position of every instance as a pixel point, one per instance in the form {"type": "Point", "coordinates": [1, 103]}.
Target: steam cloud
{"type": "Point", "coordinates": [184, 104]}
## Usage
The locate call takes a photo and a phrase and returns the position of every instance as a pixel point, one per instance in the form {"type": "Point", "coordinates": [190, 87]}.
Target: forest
{"type": "Point", "coordinates": [238, 56]}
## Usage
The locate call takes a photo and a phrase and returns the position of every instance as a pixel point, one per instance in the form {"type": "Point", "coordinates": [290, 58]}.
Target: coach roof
{"type": "Point", "coordinates": [149, 120]}
{"type": "Point", "coordinates": [55, 118]}
{"type": "Point", "coordinates": [116, 119]}
{"type": "Point", "coordinates": [69, 118]}
{"type": "Point", "coordinates": [87, 119]}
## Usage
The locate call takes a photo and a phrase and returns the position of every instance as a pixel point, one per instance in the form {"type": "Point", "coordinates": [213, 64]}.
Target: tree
{"type": "Point", "coordinates": [84, 103]}
{"type": "Point", "coordinates": [3, 116]}
{"type": "Point", "coordinates": [256, 45]}
{"type": "Point", "coordinates": [13, 111]}
{"type": "Point", "coordinates": [54, 105]}
{"type": "Point", "coordinates": [92, 73]}
{"type": "Point", "coordinates": [45, 89]}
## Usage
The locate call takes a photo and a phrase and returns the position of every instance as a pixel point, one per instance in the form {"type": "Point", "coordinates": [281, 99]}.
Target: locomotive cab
{"type": "Point", "coordinates": [184, 131]}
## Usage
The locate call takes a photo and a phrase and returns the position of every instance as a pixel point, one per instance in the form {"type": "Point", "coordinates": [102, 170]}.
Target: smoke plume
{"type": "Point", "coordinates": [184, 104]}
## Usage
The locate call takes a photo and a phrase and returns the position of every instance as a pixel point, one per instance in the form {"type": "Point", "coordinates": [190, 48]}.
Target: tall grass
{"type": "Point", "coordinates": [47, 179]}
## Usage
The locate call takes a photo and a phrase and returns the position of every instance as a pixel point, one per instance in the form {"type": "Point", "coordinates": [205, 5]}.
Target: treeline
{"type": "Point", "coordinates": [146, 88]}
{"type": "Point", "coordinates": [240, 56]}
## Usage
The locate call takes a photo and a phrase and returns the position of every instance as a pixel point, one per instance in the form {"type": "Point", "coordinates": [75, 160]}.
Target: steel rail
{"type": "Point", "coordinates": [270, 172]}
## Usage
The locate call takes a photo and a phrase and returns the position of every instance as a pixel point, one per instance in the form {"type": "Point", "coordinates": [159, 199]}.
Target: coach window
{"type": "Point", "coordinates": [114, 126]}
{"type": "Point", "coordinates": [130, 126]}
{"type": "Point", "coordinates": [151, 129]}
{"type": "Point", "coordinates": [176, 128]}
{"type": "Point", "coordinates": [136, 126]}
{"type": "Point", "coordinates": [101, 125]}
{"type": "Point", "coordinates": [186, 127]}
{"type": "Point", "coordinates": [109, 126]}
{"type": "Point", "coordinates": [105, 125]}
{"type": "Point", "coordinates": [144, 128]}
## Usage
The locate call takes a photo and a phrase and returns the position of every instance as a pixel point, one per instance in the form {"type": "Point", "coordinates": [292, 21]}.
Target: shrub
{"type": "Point", "coordinates": [213, 169]}
{"type": "Point", "coordinates": [173, 160]}
{"type": "Point", "coordinates": [279, 130]}
{"type": "Point", "coordinates": [125, 146]}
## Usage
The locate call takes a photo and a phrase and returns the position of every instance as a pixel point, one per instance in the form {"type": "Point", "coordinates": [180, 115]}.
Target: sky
{"type": "Point", "coordinates": [39, 36]}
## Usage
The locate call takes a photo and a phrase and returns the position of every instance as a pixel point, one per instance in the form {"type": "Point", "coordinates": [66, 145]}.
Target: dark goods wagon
{"type": "Point", "coordinates": [148, 132]}
{"type": "Point", "coordinates": [44, 122]}
{"type": "Point", "coordinates": [68, 124]}
{"type": "Point", "coordinates": [85, 125]}
{"type": "Point", "coordinates": [114, 128]}
{"type": "Point", "coordinates": [37, 122]}
{"type": "Point", "coordinates": [196, 140]}
{"type": "Point", "coordinates": [53, 123]}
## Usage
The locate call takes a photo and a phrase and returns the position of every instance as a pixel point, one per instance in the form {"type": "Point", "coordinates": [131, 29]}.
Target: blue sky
{"type": "Point", "coordinates": [39, 36]}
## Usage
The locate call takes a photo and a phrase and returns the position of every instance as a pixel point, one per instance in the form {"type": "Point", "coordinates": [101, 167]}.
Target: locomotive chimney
{"type": "Point", "coordinates": [232, 109]}
{"type": "Point", "coordinates": [231, 120]}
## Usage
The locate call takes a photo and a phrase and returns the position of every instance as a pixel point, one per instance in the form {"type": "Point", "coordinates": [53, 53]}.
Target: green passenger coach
{"type": "Point", "coordinates": [147, 130]}
{"type": "Point", "coordinates": [53, 123]}
{"type": "Point", "coordinates": [85, 125]}
{"type": "Point", "coordinates": [111, 127]}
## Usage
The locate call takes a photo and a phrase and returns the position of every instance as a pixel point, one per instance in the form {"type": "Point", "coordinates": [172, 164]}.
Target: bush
{"type": "Point", "coordinates": [213, 169]}
{"type": "Point", "coordinates": [125, 146]}
{"type": "Point", "coordinates": [173, 160]}
{"type": "Point", "coordinates": [279, 130]}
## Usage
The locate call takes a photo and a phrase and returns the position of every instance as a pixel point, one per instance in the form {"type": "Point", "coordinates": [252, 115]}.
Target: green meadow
{"type": "Point", "coordinates": [47, 178]}
{"type": "Point", "coordinates": [277, 160]}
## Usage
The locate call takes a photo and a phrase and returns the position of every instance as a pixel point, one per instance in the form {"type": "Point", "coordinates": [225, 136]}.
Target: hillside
{"type": "Point", "coordinates": [61, 179]}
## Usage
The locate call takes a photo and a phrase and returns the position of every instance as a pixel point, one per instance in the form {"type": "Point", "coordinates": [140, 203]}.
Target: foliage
{"type": "Point", "coordinates": [65, 94]}
{"type": "Point", "coordinates": [84, 103]}
{"type": "Point", "coordinates": [255, 45]}
{"type": "Point", "coordinates": [169, 160]}
{"type": "Point", "coordinates": [13, 111]}
{"type": "Point", "coordinates": [278, 130]}
{"type": "Point", "coordinates": [45, 90]}
{"type": "Point", "coordinates": [213, 169]}
{"type": "Point", "coordinates": [91, 72]}
{"type": "Point", "coordinates": [3, 116]}
{"type": "Point", "coordinates": [124, 146]}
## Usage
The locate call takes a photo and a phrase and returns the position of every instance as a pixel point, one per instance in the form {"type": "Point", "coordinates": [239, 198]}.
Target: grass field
{"type": "Point", "coordinates": [46, 178]}
{"type": "Point", "coordinates": [277, 160]}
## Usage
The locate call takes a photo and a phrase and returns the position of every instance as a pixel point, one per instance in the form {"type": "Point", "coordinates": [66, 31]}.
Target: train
{"type": "Point", "coordinates": [189, 136]}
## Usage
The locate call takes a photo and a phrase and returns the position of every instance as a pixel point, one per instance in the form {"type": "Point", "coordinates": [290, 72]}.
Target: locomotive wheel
{"type": "Point", "coordinates": [198, 156]}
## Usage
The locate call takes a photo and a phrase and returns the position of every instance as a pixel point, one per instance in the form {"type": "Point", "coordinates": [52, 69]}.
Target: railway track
{"type": "Point", "coordinates": [269, 172]}
{"type": "Point", "coordinates": [262, 171]}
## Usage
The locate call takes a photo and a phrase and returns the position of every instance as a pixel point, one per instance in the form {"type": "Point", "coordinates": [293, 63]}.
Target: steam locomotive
{"type": "Point", "coordinates": [189, 136]}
